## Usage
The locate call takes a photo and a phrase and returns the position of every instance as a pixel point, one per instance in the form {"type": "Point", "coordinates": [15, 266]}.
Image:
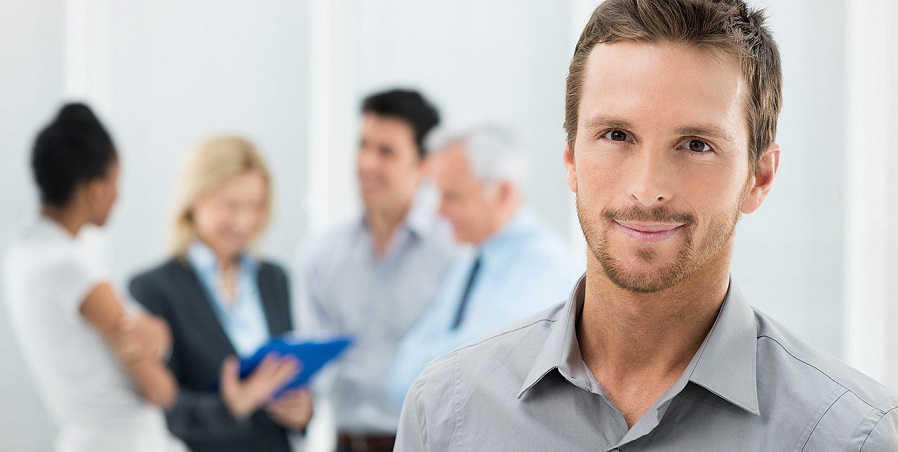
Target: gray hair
{"type": "Point", "coordinates": [492, 151]}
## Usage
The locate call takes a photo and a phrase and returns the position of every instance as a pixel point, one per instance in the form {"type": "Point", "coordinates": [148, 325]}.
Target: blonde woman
{"type": "Point", "coordinates": [223, 301]}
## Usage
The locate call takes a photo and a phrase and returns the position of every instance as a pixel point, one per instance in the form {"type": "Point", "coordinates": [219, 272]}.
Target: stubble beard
{"type": "Point", "coordinates": [689, 259]}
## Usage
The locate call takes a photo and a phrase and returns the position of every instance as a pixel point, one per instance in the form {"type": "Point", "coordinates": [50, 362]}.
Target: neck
{"type": "Point", "coordinates": [638, 345]}
{"type": "Point", "coordinates": [630, 331]}
{"type": "Point", "coordinates": [226, 261]}
{"type": "Point", "coordinates": [383, 223]}
{"type": "Point", "coordinates": [226, 264]}
{"type": "Point", "coordinates": [67, 217]}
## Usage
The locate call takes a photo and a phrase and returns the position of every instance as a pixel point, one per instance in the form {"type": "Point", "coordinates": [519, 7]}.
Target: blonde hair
{"type": "Point", "coordinates": [212, 164]}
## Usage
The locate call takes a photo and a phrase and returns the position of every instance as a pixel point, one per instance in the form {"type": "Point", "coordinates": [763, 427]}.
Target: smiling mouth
{"type": "Point", "coordinates": [648, 232]}
{"type": "Point", "coordinates": [369, 183]}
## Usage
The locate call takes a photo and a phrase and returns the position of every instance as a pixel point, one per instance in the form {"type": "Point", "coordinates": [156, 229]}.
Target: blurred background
{"type": "Point", "coordinates": [819, 256]}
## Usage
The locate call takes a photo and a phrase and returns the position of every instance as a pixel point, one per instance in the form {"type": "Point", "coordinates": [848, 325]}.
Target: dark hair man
{"type": "Point", "coordinates": [373, 277]}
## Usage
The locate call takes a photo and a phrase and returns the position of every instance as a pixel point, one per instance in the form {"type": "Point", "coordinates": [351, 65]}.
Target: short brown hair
{"type": "Point", "coordinates": [727, 25]}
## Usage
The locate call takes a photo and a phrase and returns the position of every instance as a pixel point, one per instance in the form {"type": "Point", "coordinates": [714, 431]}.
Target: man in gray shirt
{"type": "Point", "coordinates": [671, 116]}
{"type": "Point", "coordinates": [373, 277]}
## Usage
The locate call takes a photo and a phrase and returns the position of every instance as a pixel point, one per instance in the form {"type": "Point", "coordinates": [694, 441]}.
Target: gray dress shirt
{"type": "Point", "coordinates": [345, 288]}
{"type": "Point", "coordinates": [752, 386]}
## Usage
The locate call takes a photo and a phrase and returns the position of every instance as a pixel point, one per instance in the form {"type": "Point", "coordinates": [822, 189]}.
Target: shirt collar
{"type": "Point", "coordinates": [727, 365]}
{"type": "Point", "coordinates": [724, 365]}
{"type": "Point", "coordinates": [203, 259]}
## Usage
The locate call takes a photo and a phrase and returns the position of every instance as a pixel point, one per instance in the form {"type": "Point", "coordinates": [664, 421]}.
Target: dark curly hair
{"type": "Point", "coordinates": [73, 149]}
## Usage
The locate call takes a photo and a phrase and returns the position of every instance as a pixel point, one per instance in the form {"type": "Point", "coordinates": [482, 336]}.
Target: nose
{"type": "Point", "coordinates": [651, 174]}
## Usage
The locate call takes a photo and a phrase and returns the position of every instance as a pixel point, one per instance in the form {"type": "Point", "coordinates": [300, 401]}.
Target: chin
{"type": "Point", "coordinates": [647, 270]}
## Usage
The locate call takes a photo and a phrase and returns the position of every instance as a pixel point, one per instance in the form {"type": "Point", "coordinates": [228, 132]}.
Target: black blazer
{"type": "Point", "coordinates": [174, 292]}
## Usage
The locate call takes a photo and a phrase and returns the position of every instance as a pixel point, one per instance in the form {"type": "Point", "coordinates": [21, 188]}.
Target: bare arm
{"type": "Point", "coordinates": [102, 308]}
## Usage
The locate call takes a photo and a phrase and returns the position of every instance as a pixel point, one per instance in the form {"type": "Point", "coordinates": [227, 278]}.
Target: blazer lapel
{"type": "Point", "coordinates": [277, 311]}
{"type": "Point", "coordinates": [201, 309]}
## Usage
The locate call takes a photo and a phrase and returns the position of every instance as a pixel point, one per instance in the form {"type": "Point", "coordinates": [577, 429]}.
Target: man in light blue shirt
{"type": "Point", "coordinates": [517, 265]}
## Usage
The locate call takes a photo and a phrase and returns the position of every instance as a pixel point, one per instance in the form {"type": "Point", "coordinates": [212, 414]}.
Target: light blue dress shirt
{"type": "Point", "coordinates": [344, 287]}
{"type": "Point", "coordinates": [243, 320]}
{"type": "Point", "coordinates": [524, 268]}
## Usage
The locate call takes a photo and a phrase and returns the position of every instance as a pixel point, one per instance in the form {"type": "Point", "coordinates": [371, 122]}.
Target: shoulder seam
{"type": "Point", "coordinates": [884, 413]}
{"type": "Point", "coordinates": [820, 418]}
{"type": "Point", "coordinates": [822, 372]}
{"type": "Point", "coordinates": [503, 333]}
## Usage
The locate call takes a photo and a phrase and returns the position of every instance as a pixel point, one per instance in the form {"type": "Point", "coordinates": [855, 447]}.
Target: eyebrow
{"type": "Point", "coordinates": [599, 122]}
{"type": "Point", "coordinates": [705, 130]}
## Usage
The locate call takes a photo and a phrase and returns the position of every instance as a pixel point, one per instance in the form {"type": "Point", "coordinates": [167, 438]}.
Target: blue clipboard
{"type": "Point", "coordinates": [313, 354]}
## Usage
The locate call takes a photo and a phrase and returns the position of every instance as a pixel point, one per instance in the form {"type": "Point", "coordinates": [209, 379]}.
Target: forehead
{"type": "Point", "coordinates": [664, 84]}
{"type": "Point", "coordinates": [249, 184]}
{"type": "Point", "coordinates": [450, 166]}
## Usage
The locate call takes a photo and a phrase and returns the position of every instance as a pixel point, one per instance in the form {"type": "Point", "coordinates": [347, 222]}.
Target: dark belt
{"type": "Point", "coordinates": [365, 443]}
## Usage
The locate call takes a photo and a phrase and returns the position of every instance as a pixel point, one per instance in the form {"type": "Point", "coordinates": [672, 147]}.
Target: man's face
{"type": "Point", "coordinates": [388, 166]}
{"type": "Point", "coordinates": [661, 162]}
{"type": "Point", "coordinates": [472, 207]}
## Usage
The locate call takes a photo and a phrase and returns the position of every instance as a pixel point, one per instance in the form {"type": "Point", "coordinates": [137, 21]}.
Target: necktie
{"type": "Point", "coordinates": [472, 276]}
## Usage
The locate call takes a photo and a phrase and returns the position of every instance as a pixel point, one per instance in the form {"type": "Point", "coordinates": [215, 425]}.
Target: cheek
{"type": "Point", "coordinates": [715, 197]}
{"type": "Point", "coordinates": [600, 182]}
{"type": "Point", "coordinates": [209, 221]}
{"type": "Point", "coordinates": [406, 174]}
{"type": "Point", "coordinates": [257, 220]}
{"type": "Point", "coordinates": [455, 210]}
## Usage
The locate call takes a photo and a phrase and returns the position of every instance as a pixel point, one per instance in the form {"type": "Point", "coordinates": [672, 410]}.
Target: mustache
{"type": "Point", "coordinates": [656, 215]}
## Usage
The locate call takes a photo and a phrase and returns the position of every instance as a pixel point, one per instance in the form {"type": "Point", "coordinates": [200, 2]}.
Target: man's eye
{"type": "Point", "coordinates": [697, 146]}
{"type": "Point", "coordinates": [615, 135]}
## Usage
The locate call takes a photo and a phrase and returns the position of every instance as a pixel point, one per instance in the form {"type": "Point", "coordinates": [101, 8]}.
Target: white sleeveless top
{"type": "Point", "coordinates": [87, 392]}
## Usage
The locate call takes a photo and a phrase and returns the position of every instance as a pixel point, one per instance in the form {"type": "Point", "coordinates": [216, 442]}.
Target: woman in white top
{"type": "Point", "coordinates": [97, 360]}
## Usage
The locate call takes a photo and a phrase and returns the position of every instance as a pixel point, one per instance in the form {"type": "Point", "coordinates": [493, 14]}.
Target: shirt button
{"type": "Point", "coordinates": [615, 450]}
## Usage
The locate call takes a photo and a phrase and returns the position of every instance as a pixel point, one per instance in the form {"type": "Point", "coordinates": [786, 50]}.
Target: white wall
{"type": "Point", "coordinates": [789, 257]}
{"type": "Point", "coordinates": [872, 194]}
{"type": "Point", "coordinates": [31, 59]}
{"type": "Point", "coordinates": [181, 70]}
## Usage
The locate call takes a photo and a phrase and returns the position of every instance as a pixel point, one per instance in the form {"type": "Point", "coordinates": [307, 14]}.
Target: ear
{"type": "Point", "coordinates": [568, 158]}
{"type": "Point", "coordinates": [505, 192]}
{"type": "Point", "coordinates": [768, 164]}
{"type": "Point", "coordinates": [96, 191]}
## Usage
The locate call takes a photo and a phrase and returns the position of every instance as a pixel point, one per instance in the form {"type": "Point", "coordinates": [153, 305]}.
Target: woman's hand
{"type": "Point", "coordinates": [141, 336]}
{"type": "Point", "coordinates": [244, 397]}
{"type": "Point", "coordinates": [293, 410]}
